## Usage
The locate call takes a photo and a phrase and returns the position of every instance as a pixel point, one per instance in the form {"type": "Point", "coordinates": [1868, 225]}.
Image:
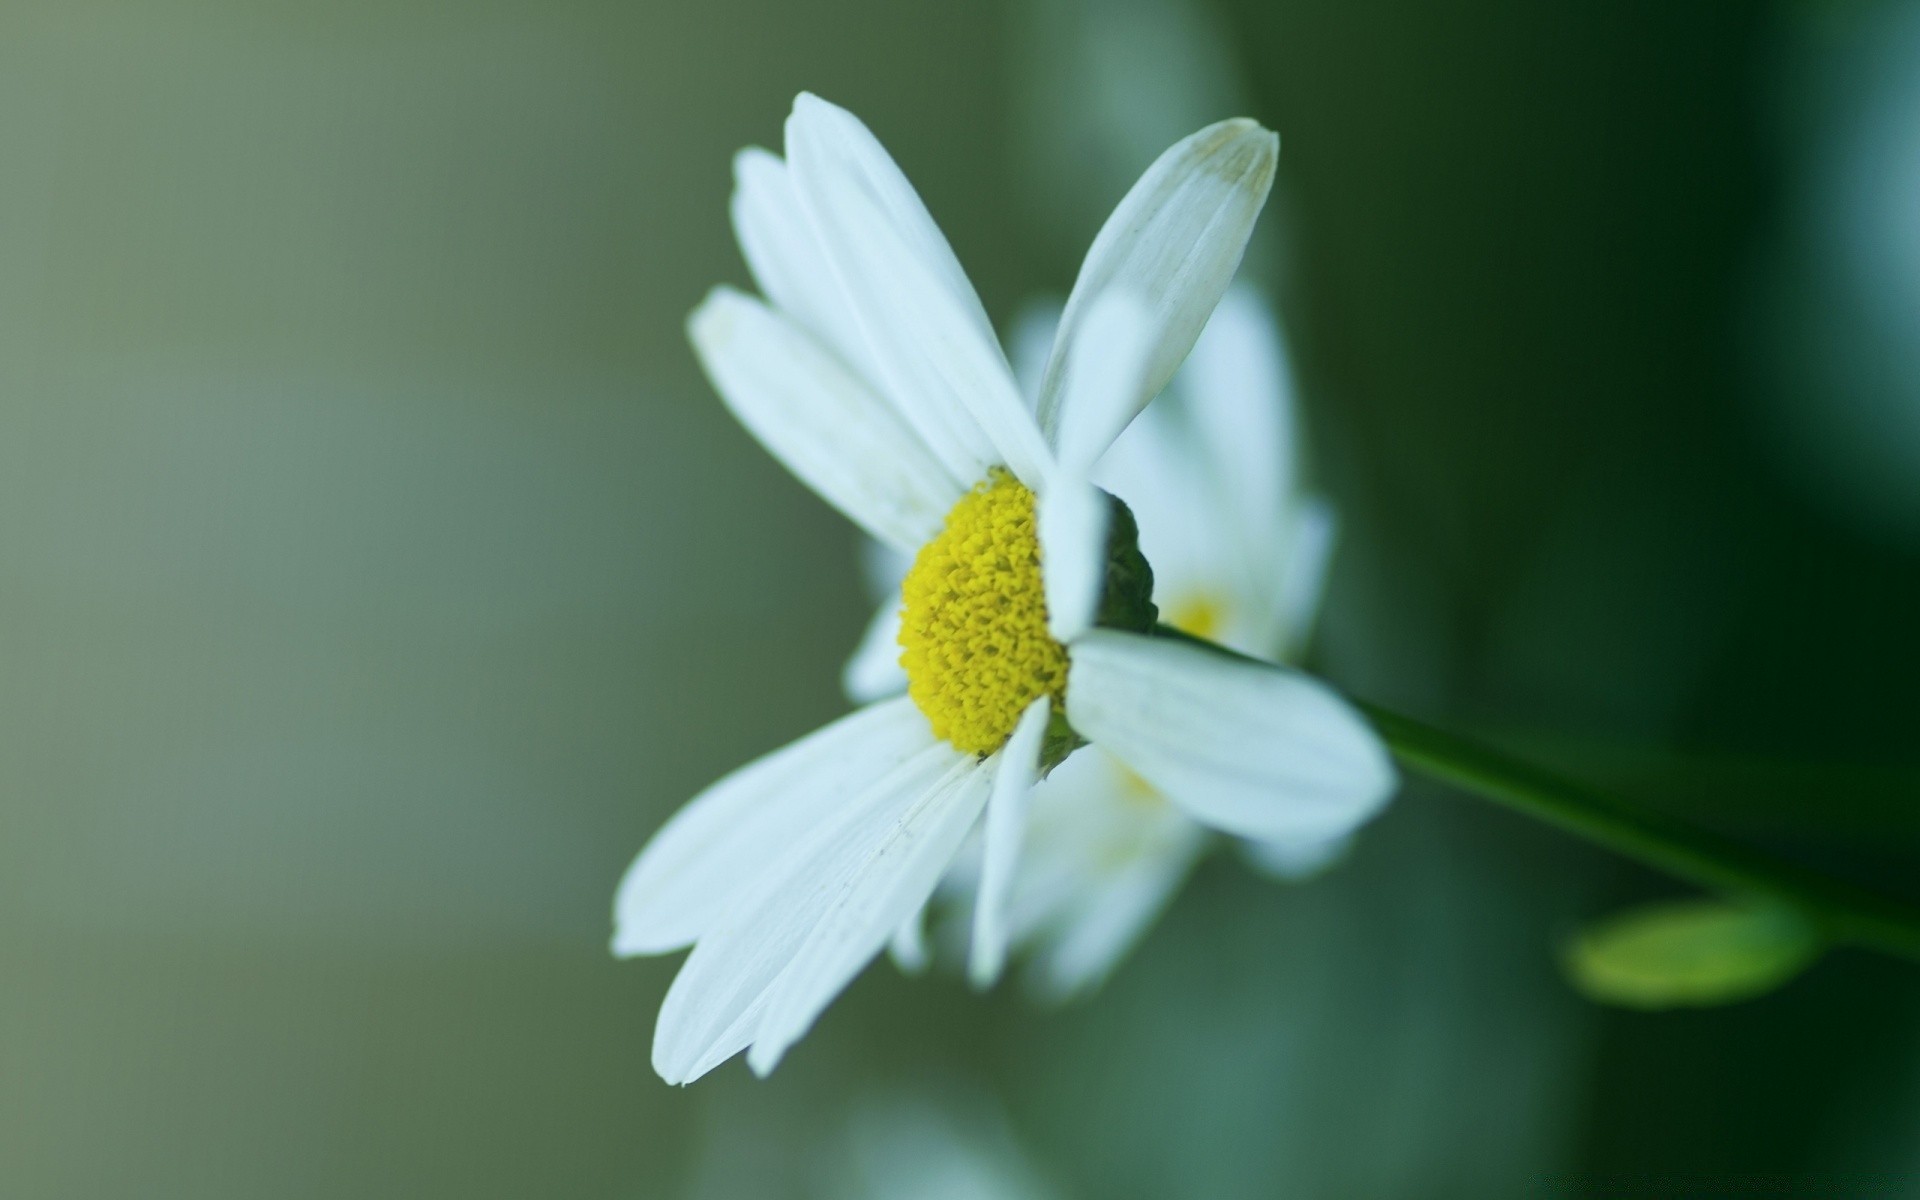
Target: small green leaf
{"type": "Point", "coordinates": [1692, 953]}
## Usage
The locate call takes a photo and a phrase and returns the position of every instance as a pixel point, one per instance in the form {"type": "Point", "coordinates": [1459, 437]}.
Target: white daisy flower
{"type": "Point", "coordinates": [871, 370]}
{"type": "Point", "coordinates": [1239, 558]}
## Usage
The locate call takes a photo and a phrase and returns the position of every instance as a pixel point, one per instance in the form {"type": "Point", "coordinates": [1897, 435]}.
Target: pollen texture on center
{"type": "Point", "coordinates": [973, 628]}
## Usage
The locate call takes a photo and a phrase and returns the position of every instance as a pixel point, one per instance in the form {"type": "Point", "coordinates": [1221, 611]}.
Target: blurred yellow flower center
{"type": "Point", "coordinates": [1201, 615]}
{"type": "Point", "coordinates": [973, 622]}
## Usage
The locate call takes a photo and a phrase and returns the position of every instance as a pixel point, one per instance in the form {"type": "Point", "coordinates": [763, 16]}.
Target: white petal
{"type": "Point", "coordinates": [1209, 482]}
{"type": "Point", "coordinates": [1154, 467]}
{"type": "Point", "coordinates": [882, 567]}
{"type": "Point", "coordinates": [893, 880]}
{"type": "Point", "coordinates": [874, 672]}
{"type": "Point", "coordinates": [717, 1001]}
{"type": "Point", "coordinates": [1108, 356]}
{"type": "Point", "coordinates": [815, 416]}
{"type": "Point", "coordinates": [1114, 912]}
{"type": "Point", "coordinates": [1175, 240]}
{"type": "Point", "coordinates": [1073, 516]}
{"type": "Point", "coordinates": [1029, 344]}
{"type": "Point", "coordinates": [1303, 576]}
{"type": "Point", "coordinates": [787, 262]}
{"type": "Point", "coordinates": [1103, 853]}
{"type": "Point", "coordinates": [1006, 822]}
{"type": "Point", "coordinates": [1238, 391]}
{"type": "Point", "coordinates": [923, 323]}
{"type": "Point", "coordinates": [1247, 748]}
{"type": "Point", "coordinates": [1086, 815]}
{"type": "Point", "coordinates": [1297, 859]}
{"type": "Point", "coordinates": [908, 945]}
{"type": "Point", "coordinates": [725, 838]}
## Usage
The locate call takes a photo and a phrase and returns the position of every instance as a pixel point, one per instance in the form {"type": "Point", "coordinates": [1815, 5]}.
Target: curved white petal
{"type": "Point", "coordinates": [1108, 356]}
{"type": "Point", "coordinates": [891, 881]}
{"type": "Point", "coordinates": [923, 323]}
{"type": "Point", "coordinates": [721, 994]}
{"type": "Point", "coordinates": [1296, 859]}
{"type": "Point", "coordinates": [787, 262]}
{"type": "Point", "coordinates": [1029, 342]}
{"type": "Point", "coordinates": [882, 567]}
{"type": "Point", "coordinates": [1006, 822]}
{"type": "Point", "coordinates": [1113, 913]}
{"type": "Point", "coordinates": [1175, 240]}
{"type": "Point", "coordinates": [1085, 814]}
{"type": "Point", "coordinates": [1103, 853]}
{"type": "Point", "coordinates": [908, 945]}
{"type": "Point", "coordinates": [728, 836]}
{"type": "Point", "coordinates": [1209, 480]}
{"type": "Point", "coordinates": [1238, 391]}
{"type": "Point", "coordinates": [1247, 748]}
{"type": "Point", "coordinates": [815, 416]}
{"type": "Point", "coordinates": [1303, 574]}
{"type": "Point", "coordinates": [1072, 519]}
{"type": "Point", "coordinates": [1154, 467]}
{"type": "Point", "coordinates": [874, 672]}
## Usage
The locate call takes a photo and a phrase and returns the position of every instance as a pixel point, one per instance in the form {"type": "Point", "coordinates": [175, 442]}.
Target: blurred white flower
{"type": "Point", "coordinates": [1239, 557]}
{"type": "Point", "coordinates": [940, 1137]}
{"type": "Point", "coordinates": [872, 373]}
{"type": "Point", "coordinates": [1840, 349]}
{"type": "Point", "coordinates": [914, 1147]}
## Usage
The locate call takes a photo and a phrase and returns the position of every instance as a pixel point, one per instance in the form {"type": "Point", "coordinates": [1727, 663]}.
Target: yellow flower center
{"type": "Point", "coordinates": [973, 623]}
{"type": "Point", "coordinates": [1199, 614]}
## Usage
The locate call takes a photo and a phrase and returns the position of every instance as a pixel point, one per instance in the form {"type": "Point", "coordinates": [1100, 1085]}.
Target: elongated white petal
{"type": "Point", "coordinates": [1250, 749]}
{"type": "Point", "coordinates": [923, 322]}
{"type": "Point", "coordinates": [882, 567]}
{"type": "Point", "coordinates": [717, 1001]}
{"type": "Point", "coordinates": [728, 836]}
{"type": "Point", "coordinates": [787, 262]}
{"type": "Point", "coordinates": [1108, 356]}
{"type": "Point", "coordinates": [908, 945]}
{"type": "Point", "coordinates": [874, 672]}
{"type": "Point", "coordinates": [1303, 574]}
{"type": "Point", "coordinates": [1112, 913]}
{"type": "Point", "coordinates": [1072, 519]}
{"type": "Point", "coordinates": [1183, 532]}
{"type": "Point", "coordinates": [1239, 394]}
{"type": "Point", "coordinates": [892, 880]}
{"type": "Point", "coordinates": [1103, 852]}
{"type": "Point", "coordinates": [815, 416]}
{"type": "Point", "coordinates": [1006, 822]}
{"type": "Point", "coordinates": [1296, 859]}
{"type": "Point", "coordinates": [1028, 344]}
{"type": "Point", "coordinates": [1175, 240]}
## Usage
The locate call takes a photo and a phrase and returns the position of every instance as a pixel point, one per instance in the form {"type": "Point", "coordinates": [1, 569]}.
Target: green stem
{"type": "Point", "coordinates": [1846, 913]}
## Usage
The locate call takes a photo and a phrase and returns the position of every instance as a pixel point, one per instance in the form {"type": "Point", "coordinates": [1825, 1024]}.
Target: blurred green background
{"type": "Point", "coordinates": [377, 571]}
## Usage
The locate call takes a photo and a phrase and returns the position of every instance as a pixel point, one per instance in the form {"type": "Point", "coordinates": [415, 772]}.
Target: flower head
{"type": "Point", "coordinates": [1241, 557]}
{"type": "Point", "coordinates": [871, 371]}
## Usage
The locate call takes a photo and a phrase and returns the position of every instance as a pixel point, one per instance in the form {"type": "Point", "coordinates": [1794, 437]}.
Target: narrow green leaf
{"type": "Point", "coordinates": [1692, 953]}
